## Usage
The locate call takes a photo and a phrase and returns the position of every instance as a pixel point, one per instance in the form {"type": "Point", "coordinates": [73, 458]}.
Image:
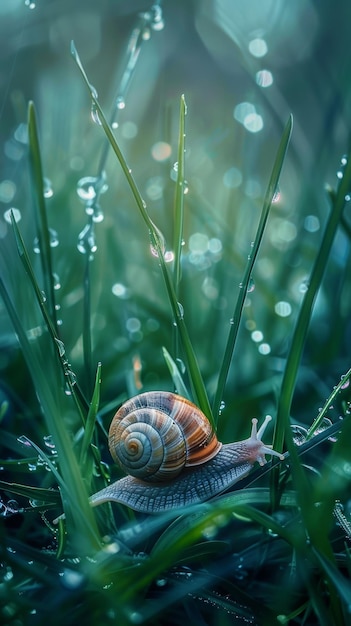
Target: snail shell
{"type": "Point", "coordinates": [155, 435]}
{"type": "Point", "coordinates": [196, 466]}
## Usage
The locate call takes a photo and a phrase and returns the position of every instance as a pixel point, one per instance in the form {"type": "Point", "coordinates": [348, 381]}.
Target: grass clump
{"type": "Point", "coordinates": [273, 550]}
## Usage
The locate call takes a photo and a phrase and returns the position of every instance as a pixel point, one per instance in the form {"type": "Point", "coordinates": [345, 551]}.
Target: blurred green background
{"type": "Point", "coordinates": [243, 66]}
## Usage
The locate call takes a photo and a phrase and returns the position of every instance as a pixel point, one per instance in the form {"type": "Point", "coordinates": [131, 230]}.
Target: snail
{"type": "Point", "coordinates": [172, 455]}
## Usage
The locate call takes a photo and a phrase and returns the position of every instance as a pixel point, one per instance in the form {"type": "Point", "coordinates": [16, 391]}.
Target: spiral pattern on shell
{"type": "Point", "coordinates": [154, 435]}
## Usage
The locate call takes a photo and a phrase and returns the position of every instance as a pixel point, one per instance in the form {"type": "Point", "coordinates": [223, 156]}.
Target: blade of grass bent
{"type": "Point", "coordinates": [40, 211]}
{"type": "Point", "coordinates": [235, 322]}
{"type": "Point", "coordinates": [197, 384]}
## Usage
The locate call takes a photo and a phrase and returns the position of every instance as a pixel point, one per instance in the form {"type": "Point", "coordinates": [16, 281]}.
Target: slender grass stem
{"type": "Point", "coordinates": [157, 242]}
{"type": "Point", "coordinates": [235, 322]}
{"type": "Point", "coordinates": [40, 212]}
{"type": "Point", "coordinates": [282, 426]}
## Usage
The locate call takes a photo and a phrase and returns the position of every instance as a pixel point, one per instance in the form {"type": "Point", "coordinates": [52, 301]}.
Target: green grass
{"type": "Point", "coordinates": [275, 549]}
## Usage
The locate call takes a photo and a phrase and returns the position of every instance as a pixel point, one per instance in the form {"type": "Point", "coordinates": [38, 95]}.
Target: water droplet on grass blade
{"type": "Point", "coordinates": [57, 286]}
{"type": "Point", "coordinates": [120, 103]}
{"type": "Point", "coordinates": [181, 310]}
{"type": "Point", "coordinates": [48, 441]}
{"type": "Point", "coordinates": [12, 211]}
{"type": "Point", "coordinates": [276, 195]}
{"type": "Point", "coordinates": [54, 240]}
{"type": "Point", "coordinates": [90, 187]}
{"type": "Point", "coordinates": [61, 347]}
{"type": "Point", "coordinates": [47, 188]}
{"type": "Point", "coordinates": [86, 241]}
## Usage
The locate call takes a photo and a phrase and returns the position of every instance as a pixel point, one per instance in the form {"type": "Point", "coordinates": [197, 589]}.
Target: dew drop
{"type": "Point", "coordinates": [180, 310]}
{"type": "Point", "coordinates": [120, 103]}
{"type": "Point", "coordinates": [48, 441]}
{"type": "Point", "coordinates": [346, 383]}
{"type": "Point", "coordinates": [13, 506]}
{"type": "Point", "coordinates": [61, 347]}
{"type": "Point", "coordinates": [57, 286]}
{"type": "Point", "coordinates": [47, 188]}
{"type": "Point", "coordinates": [89, 187]}
{"type": "Point", "coordinates": [86, 241]}
{"type": "Point", "coordinates": [276, 195]}
{"type": "Point", "coordinates": [181, 365]}
{"type": "Point", "coordinates": [36, 248]}
{"type": "Point", "coordinates": [157, 22]}
{"type": "Point", "coordinates": [299, 434]}
{"type": "Point", "coordinates": [12, 211]}
{"type": "Point", "coordinates": [98, 215]}
{"type": "Point", "coordinates": [94, 113]}
{"type": "Point", "coordinates": [251, 286]}
{"type": "Point", "coordinates": [54, 240]}
{"type": "Point", "coordinates": [304, 286]}
{"type": "Point", "coordinates": [71, 377]}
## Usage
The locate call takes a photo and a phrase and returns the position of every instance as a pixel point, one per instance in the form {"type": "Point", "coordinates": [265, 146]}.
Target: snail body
{"type": "Point", "coordinates": [173, 456]}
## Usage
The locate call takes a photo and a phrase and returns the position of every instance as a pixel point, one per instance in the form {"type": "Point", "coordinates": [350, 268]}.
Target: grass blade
{"type": "Point", "coordinates": [282, 425]}
{"type": "Point", "coordinates": [91, 419]}
{"type": "Point", "coordinates": [234, 327]}
{"type": "Point", "coordinates": [176, 375]}
{"type": "Point", "coordinates": [157, 242]}
{"type": "Point", "coordinates": [179, 197]}
{"type": "Point", "coordinates": [40, 211]}
{"type": "Point", "coordinates": [81, 523]}
{"type": "Point", "coordinates": [41, 298]}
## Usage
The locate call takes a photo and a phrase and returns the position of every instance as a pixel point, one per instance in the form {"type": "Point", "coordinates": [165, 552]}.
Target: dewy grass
{"type": "Point", "coordinates": [235, 322]}
{"type": "Point", "coordinates": [157, 242]}
{"type": "Point", "coordinates": [225, 561]}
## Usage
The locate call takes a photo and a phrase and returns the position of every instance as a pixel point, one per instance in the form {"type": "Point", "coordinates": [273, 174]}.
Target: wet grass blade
{"type": "Point", "coordinates": [176, 375]}
{"type": "Point", "coordinates": [179, 197]}
{"type": "Point", "coordinates": [282, 426]}
{"type": "Point", "coordinates": [157, 243]}
{"type": "Point", "coordinates": [37, 494]}
{"type": "Point", "coordinates": [91, 418]}
{"type": "Point", "coordinates": [329, 402]}
{"type": "Point", "coordinates": [40, 211]}
{"type": "Point", "coordinates": [81, 522]}
{"type": "Point", "coordinates": [69, 377]}
{"type": "Point", "coordinates": [235, 322]}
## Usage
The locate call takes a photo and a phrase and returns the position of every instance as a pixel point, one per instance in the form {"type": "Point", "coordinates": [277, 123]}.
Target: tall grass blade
{"type": "Point", "coordinates": [40, 211]}
{"type": "Point", "coordinates": [69, 376]}
{"type": "Point", "coordinates": [179, 197]}
{"type": "Point", "coordinates": [282, 425]}
{"type": "Point", "coordinates": [235, 322]}
{"type": "Point", "coordinates": [157, 242]}
{"type": "Point", "coordinates": [81, 523]}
